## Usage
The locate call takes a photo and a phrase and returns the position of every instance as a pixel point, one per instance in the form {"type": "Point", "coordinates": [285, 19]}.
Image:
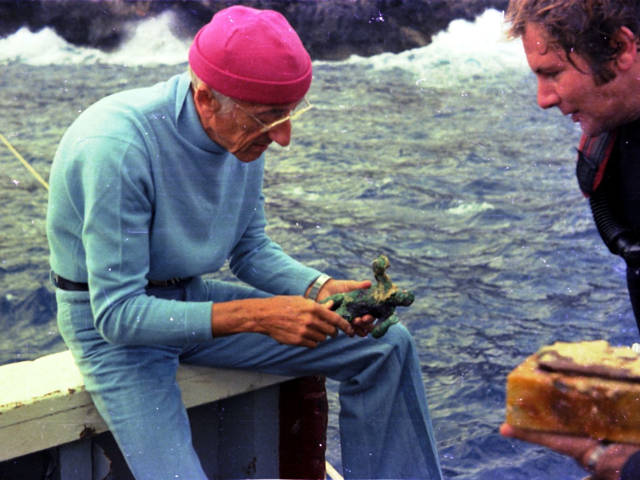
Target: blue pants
{"type": "Point", "coordinates": [385, 428]}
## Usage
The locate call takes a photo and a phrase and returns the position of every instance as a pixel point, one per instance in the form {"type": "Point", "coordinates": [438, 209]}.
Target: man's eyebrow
{"type": "Point", "coordinates": [546, 70]}
{"type": "Point", "coordinates": [272, 111]}
{"type": "Point", "coordinates": [277, 110]}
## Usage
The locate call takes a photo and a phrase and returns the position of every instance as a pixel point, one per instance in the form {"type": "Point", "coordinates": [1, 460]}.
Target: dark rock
{"type": "Point", "coordinates": [330, 29]}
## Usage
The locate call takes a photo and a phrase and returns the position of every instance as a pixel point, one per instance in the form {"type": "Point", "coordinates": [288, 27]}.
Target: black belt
{"type": "Point", "coordinates": [172, 282]}
{"type": "Point", "coordinates": [64, 284]}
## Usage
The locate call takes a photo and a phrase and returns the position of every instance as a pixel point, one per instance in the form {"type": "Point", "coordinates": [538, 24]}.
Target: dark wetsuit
{"type": "Point", "coordinates": [631, 469]}
{"type": "Point", "coordinates": [619, 191]}
{"type": "Point", "coordinates": [621, 184]}
{"type": "Point", "coordinates": [623, 190]}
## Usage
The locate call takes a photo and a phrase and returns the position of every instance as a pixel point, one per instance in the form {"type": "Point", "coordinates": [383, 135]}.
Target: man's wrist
{"type": "Point", "coordinates": [316, 286]}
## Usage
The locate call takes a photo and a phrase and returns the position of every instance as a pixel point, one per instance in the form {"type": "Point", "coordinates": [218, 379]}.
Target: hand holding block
{"type": "Point", "coordinates": [584, 388]}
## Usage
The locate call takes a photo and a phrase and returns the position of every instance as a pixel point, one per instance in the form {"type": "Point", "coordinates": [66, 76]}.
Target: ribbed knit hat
{"type": "Point", "coordinates": [252, 55]}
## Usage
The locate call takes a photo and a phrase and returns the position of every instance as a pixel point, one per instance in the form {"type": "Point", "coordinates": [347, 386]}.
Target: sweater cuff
{"type": "Point", "coordinates": [200, 331]}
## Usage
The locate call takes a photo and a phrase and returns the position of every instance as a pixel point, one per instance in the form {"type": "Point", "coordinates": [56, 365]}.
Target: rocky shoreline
{"type": "Point", "coordinates": [330, 29]}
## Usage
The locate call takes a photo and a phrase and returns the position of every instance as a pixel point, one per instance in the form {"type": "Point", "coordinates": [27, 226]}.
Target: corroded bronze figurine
{"type": "Point", "coordinates": [379, 300]}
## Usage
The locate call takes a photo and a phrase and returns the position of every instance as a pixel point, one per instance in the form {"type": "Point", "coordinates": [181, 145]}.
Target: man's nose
{"type": "Point", "coordinates": [547, 95]}
{"type": "Point", "coordinates": [281, 134]}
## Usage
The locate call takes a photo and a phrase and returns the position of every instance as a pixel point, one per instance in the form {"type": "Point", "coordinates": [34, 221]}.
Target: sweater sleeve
{"type": "Point", "coordinates": [116, 189]}
{"type": "Point", "coordinates": [259, 261]}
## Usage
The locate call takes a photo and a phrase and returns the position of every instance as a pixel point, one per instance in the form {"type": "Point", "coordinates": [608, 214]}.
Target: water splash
{"type": "Point", "coordinates": [150, 44]}
{"type": "Point", "coordinates": [465, 51]}
{"type": "Point", "coordinates": [467, 48]}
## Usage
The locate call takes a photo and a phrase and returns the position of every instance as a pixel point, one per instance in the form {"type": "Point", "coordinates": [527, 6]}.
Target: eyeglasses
{"type": "Point", "coordinates": [301, 108]}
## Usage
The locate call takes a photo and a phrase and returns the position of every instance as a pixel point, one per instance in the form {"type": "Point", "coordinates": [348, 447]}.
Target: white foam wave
{"type": "Point", "coordinates": [466, 49]}
{"type": "Point", "coordinates": [152, 43]}
{"type": "Point", "coordinates": [470, 208]}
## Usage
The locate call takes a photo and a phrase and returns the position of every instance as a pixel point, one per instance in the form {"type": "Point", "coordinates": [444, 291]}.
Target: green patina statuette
{"type": "Point", "coordinates": [379, 300]}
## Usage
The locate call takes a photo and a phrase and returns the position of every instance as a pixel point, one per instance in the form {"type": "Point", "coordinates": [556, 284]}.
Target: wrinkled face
{"type": "Point", "coordinates": [238, 128]}
{"type": "Point", "coordinates": [573, 90]}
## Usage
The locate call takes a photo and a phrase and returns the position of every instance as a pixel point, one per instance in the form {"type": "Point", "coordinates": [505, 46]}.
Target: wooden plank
{"type": "Point", "coordinates": [26, 382]}
{"type": "Point", "coordinates": [43, 402]}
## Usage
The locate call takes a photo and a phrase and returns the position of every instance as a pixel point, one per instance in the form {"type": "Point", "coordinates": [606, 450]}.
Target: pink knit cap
{"type": "Point", "coordinates": [252, 55]}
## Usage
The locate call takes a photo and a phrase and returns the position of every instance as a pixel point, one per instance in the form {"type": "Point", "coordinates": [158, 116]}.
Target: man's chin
{"type": "Point", "coordinates": [250, 153]}
{"type": "Point", "coordinates": [244, 158]}
{"type": "Point", "coordinates": [247, 156]}
{"type": "Point", "coordinates": [590, 129]}
{"type": "Point", "coordinates": [593, 129]}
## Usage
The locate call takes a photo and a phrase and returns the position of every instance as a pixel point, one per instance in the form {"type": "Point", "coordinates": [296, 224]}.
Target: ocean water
{"type": "Point", "coordinates": [437, 157]}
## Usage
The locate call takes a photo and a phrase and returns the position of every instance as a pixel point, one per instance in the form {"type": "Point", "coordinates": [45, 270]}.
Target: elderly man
{"type": "Point", "coordinates": [585, 56]}
{"type": "Point", "coordinates": [154, 187]}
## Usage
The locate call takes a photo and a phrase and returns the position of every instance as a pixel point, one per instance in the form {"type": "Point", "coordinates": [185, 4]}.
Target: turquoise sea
{"type": "Point", "coordinates": [438, 157]}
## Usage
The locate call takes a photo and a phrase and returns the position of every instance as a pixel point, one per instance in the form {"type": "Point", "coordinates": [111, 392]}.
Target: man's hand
{"type": "Point", "coordinates": [608, 465]}
{"type": "Point", "coordinates": [292, 320]}
{"type": "Point", "coordinates": [361, 325]}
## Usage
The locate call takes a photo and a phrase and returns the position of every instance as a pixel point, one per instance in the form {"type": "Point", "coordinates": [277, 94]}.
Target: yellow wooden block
{"type": "Point", "coordinates": [585, 388]}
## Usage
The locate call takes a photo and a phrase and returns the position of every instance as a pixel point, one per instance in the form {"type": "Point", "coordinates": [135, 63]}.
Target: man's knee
{"type": "Point", "coordinates": [399, 337]}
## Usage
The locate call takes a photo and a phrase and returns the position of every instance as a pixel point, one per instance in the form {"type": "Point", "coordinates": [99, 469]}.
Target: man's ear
{"type": "Point", "coordinates": [206, 103]}
{"type": "Point", "coordinates": [627, 44]}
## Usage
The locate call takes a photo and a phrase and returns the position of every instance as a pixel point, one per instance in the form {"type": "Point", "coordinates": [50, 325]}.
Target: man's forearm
{"type": "Point", "coordinates": [236, 316]}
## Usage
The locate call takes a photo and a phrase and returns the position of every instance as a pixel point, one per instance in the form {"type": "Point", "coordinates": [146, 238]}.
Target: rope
{"type": "Point", "coordinates": [332, 472]}
{"type": "Point", "coordinates": [24, 162]}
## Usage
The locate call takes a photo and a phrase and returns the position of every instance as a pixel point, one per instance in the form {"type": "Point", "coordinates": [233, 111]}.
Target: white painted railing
{"type": "Point", "coordinates": [44, 405]}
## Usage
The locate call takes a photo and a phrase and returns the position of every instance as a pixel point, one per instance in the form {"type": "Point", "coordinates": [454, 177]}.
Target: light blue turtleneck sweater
{"type": "Point", "coordinates": [138, 191]}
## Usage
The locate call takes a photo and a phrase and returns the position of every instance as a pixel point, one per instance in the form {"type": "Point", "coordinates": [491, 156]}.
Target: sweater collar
{"type": "Point", "coordinates": [188, 121]}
